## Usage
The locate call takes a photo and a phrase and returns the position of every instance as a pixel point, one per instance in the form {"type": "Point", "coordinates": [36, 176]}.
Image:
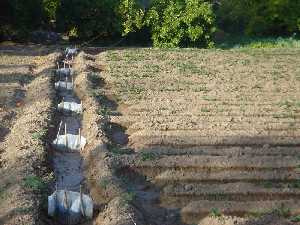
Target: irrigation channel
{"type": "Point", "coordinates": [68, 204]}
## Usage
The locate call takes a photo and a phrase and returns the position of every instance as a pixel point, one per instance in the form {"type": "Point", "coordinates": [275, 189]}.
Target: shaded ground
{"type": "Point", "coordinates": [213, 132]}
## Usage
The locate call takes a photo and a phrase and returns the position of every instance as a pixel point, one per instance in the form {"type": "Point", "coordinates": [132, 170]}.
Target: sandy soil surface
{"type": "Point", "coordinates": [186, 120]}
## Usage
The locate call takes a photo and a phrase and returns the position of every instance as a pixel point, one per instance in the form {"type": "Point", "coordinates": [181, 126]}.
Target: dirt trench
{"type": "Point", "coordinates": [93, 166]}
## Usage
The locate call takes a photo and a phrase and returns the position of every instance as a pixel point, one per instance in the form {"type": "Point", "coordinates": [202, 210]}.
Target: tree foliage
{"type": "Point", "coordinates": [173, 23]}
{"type": "Point", "coordinates": [255, 17]}
{"type": "Point", "coordinates": [168, 23]}
{"type": "Point", "coordinates": [88, 18]}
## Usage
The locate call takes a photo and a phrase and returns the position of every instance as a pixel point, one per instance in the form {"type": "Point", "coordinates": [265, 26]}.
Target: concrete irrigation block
{"type": "Point", "coordinates": [71, 205]}
{"type": "Point", "coordinates": [71, 52]}
{"type": "Point", "coordinates": [63, 85]}
{"type": "Point", "coordinates": [64, 72]}
{"type": "Point", "coordinates": [69, 142]}
{"type": "Point", "coordinates": [70, 107]}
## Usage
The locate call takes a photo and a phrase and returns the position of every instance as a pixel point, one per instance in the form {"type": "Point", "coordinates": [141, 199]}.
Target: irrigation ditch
{"type": "Point", "coordinates": [86, 189]}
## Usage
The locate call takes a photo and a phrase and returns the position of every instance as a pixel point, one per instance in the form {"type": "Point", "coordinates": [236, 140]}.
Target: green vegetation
{"type": "Point", "coordinates": [115, 150]}
{"type": "Point", "coordinates": [39, 134]}
{"type": "Point", "coordinates": [148, 156]}
{"type": "Point", "coordinates": [94, 79]}
{"type": "Point", "coordinates": [282, 211]}
{"type": "Point", "coordinates": [173, 23]}
{"type": "Point", "coordinates": [104, 183]}
{"type": "Point", "coordinates": [167, 23]}
{"type": "Point", "coordinates": [34, 183]}
{"type": "Point", "coordinates": [252, 17]}
{"type": "Point", "coordinates": [214, 212]}
{"type": "Point", "coordinates": [295, 218]}
{"type": "Point", "coordinates": [258, 42]}
{"type": "Point", "coordinates": [127, 197]}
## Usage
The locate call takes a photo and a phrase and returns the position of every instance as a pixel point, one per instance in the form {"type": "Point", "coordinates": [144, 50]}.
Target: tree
{"type": "Point", "coordinates": [173, 23]}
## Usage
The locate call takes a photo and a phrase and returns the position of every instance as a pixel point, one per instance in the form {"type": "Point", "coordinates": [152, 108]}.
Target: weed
{"type": "Point", "coordinates": [282, 211]}
{"type": "Point", "coordinates": [115, 150]}
{"type": "Point", "coordinates": [205, 110]}
{"type": "Point", "coordinates": [34, 183]}
{"type": "Point", "coordinates": [22, 210]}
{"type": "Point", "coordinates": [214, 212]}
{"type": "Point", "coordinates": [207, 98]}
{"type": "Point", "coordinates": [135, 90]}
{"type": "Point", "coordinates": [39, 134]}
{"type": "Point", "coordinates": [256, 214]}
{"type": "Point", "coordinates": [267, 184]}
{"type": "Point", "coordinates": [4, 194]}
{"type": "Point", "coordinates": [104, 183]}
{"type": "Point", "coordinates": [104, 111]}
{"type": "Point", "coordinates": [113, 56]}
{"type": "Point", "coordinates": [294, 184]}
{"type": "Point", "coordinates": [94, 78]}
{"type": "Point", "coordinates": [127, 197]}
{"type": "Point", "coordinates": [257, 86]}
{"type": "Point", "coordinates": [201, 89]}
{"type": "Point", "coordinates": [146, 156]}
{"type": "Point", "coordinates": [188, 67]}
{"type": "Point", "coordinates": [258, 42]}
{"type": "Point", "coordinates": [295, 218]}
{"type": "Point", "coordinates": [286, 104]}
{"type": "Point", "coordinates": [152, 68]}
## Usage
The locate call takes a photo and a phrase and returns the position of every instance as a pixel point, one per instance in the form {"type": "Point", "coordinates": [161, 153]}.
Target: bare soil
{"type": "Point", "coordinates": [25, 112]}
{"type": "Point", "coordinates": [205, 125]}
